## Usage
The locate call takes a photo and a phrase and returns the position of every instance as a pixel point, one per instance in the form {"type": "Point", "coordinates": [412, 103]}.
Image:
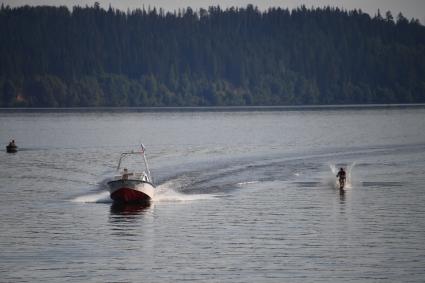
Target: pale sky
{"type": "Point", "coordinates": [409, 8]}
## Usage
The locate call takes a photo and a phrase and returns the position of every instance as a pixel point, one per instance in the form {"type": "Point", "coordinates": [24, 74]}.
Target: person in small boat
{"type": "Point", "coordinates": [12, 143]}
{"type": "Point", "coordinates": [342, 177]}
{"type": "Point", "coordinates": [126, 174]}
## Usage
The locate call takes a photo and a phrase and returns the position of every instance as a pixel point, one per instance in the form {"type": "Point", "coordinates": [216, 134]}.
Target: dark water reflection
{"type": "Point", "coordinates": [129, 222]}
{"type": "Point", "coordinates": [131, 209]}
{"type": "Point", "coordinates": [342, 196]}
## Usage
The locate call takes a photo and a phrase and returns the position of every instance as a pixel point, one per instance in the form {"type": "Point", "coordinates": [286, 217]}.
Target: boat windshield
{"type": "Point", "coordinates": [125, 162]}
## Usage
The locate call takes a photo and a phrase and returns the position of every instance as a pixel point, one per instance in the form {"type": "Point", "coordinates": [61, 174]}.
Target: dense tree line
{"type": "Point", "coordinates": [54, 57]}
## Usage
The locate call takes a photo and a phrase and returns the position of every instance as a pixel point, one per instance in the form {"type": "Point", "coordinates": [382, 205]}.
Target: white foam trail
{"type": "Point", "coordinates": [247, 183]}
{"type": "Point", "coordinates": [333, 169]}
{"type": "Point", "coordinates": [166, 193]}
{"type": "Point", "coordinates": [102, 197]}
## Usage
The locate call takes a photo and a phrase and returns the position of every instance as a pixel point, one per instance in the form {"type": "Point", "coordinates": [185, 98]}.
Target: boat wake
{"type": "Point", "coordinates": [102, 197]}
{"type": "Point", "coordinates": [205, 181]}
{"type": "Point", "coordinates": [167, 192]}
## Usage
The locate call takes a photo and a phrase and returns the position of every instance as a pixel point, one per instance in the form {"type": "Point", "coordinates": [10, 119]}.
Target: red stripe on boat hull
{"type": "Point", "coordinates": [129, 195]}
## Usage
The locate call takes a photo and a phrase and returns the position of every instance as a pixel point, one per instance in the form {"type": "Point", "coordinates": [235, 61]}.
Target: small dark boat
{"type": "Point", "coordinates": [11, 148]}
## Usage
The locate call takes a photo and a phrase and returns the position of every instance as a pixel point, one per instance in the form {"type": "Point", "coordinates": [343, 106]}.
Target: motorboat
{"type": "Point", "coordinates": [132, 186]}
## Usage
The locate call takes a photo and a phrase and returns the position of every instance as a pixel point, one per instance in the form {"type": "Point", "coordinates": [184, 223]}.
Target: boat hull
{"type": "Point", "coordinates": [131, 191]}
{"type": "Point", "coordinates": [11, 149]}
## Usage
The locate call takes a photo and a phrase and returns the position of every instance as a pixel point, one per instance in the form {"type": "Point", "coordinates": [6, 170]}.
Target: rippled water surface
{"type": "Point", "coordinates": [242, 196]}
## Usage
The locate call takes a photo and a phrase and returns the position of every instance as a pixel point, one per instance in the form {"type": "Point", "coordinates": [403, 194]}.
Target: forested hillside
{"type": "Point", "coordinates": [55, 57]}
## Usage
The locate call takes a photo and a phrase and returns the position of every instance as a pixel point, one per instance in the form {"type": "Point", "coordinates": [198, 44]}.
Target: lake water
{"type": "Point", "coordinates": [244, 195]}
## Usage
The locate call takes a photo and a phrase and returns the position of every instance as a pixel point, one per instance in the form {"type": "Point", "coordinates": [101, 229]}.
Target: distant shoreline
{"type": "Point", "coordinates": [216, 108]}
